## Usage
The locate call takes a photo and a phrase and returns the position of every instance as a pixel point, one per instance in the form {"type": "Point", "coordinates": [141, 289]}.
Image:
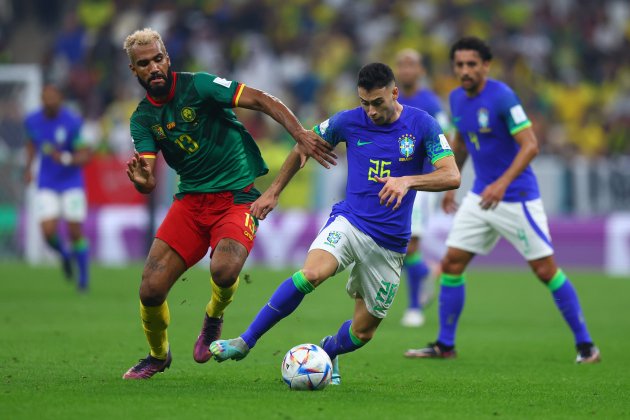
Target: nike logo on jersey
{"type": "Point", "coordinates": [363, 143]}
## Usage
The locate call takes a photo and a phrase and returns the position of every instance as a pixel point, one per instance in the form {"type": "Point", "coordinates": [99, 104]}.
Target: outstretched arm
{"type": "Point", "coordinates": [446, 176]}
{"type": "Point", "coordinates": [140, 171]}
{"type": "Point", "coordinates": [269, 199]}
{"type": "Point", "coordinates": [311, 143]}
{"type": "Point", "coordinates": [492, 195]}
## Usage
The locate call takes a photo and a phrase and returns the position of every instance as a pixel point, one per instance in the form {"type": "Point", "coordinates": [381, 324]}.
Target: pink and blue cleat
{"type": "Point", "coordinates": [210, 331]}
{"type": "Point", "coordinates": [148, 367]}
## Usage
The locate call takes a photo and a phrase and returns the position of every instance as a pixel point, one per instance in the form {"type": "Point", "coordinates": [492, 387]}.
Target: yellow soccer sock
{"type": "Point", "coordinates": [155, 320]}
{"type": "Point", "coordinates": [221, 298]}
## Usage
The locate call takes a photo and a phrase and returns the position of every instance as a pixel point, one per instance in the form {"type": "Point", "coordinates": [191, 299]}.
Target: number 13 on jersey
{"type": "Point", "coordinates": [379, 169]}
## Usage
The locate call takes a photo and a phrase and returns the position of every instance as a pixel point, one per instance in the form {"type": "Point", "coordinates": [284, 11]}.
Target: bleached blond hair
{"type": "Point", "coordinates": [144, 36]}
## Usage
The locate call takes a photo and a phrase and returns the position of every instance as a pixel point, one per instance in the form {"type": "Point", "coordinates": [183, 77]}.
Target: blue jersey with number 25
{"type": "Point", "coordinates": [396, 149]}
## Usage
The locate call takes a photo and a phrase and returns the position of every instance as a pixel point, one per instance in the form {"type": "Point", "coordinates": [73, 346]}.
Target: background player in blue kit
{"type": "Point", "coordinates": [420, 277]}
{"type": "Point", "coordinates": [494, 130]}
{"type": "Point", "coordinates": [410, 72]}
{"type": "Point", "coordinates": [387, 144]}
{"type": "Point", "coordinates": [54, 134]}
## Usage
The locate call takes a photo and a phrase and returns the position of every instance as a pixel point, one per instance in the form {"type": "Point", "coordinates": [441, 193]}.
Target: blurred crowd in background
{"type": "Point", "coordinates": [567, 59]}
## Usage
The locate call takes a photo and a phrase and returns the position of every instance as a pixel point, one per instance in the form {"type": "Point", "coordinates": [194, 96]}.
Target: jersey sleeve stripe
{"type": "Point", "coordinates": [441, 156]}
{"type": "Point", "coordinates": [237, 94]}
{"type": "Point", "coordinates": [522, 126]}
{"type": "Point", "coordinates": [148, 155]}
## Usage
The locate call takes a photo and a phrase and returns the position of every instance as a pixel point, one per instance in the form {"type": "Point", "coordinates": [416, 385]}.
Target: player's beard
{"type": "Point", "coordinates": [472, 87]}
{"type": "Point", "coordinates": [158, 91]}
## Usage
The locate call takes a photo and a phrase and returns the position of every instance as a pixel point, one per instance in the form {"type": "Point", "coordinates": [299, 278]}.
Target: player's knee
{"type": "Point", "coordinates": [150, 298]}
{"type": "Point", "coordinates": [544, 272]}
{"type": "Point", "coordinates": [413, 246]}
{"type": "Point", "coordinates": [314, 276]}
{"type": "Point", "coordinates": [455, 261]}
{"type": "Point", "coordinates": [75, 236]}
{"type": "Point", "coordinates": [224, 275]}
{"type": "Point", "coordinates": [152, 293]}
{"type": "Point", "coordinates": [452, 266]}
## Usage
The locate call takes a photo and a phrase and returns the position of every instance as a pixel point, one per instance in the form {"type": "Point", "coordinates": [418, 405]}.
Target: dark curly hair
{"type": "Point", "coordinates": [472, 43]}
{"type": "Point", "coordinates": [375, 76]}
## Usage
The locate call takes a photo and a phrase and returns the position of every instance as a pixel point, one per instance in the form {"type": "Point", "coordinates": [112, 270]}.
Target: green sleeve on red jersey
{"type": "Point", "coordinates": [224, 93]}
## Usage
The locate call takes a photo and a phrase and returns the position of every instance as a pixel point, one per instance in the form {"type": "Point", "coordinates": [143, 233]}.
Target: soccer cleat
{"type": "Point", "coordinates": [412, 318]}
{"type": "Point", "coordinates": [235, 349]}
{"type": "Point", "coordinates": [432, 351]}
{"type": "Point", "coordinates": [148, 367]}
{"type": "Point", "coordinates": [336, 376]}
{"type": "Point", "coordinates": [587, 353]}
{"type": "Point", "coordinates": [210, 331]}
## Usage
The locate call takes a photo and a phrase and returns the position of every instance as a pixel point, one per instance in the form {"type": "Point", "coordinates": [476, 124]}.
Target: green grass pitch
{"type": "Point", "coordinates": [62, 354]}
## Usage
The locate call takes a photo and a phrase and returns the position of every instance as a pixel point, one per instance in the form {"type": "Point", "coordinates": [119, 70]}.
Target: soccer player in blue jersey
{"type": "Point", "coordinates": [54, 134]}
{"type": "Point", "coordinates": [494, 130]}
{"type": "Point", "coordinates": [409, 73]}
{"type": "Point", "coordinates": [387, 144]}
{"type": "Point", "coordinates": [420, 277]}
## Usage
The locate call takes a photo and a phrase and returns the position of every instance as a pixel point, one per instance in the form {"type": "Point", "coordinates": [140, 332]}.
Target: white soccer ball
{"type": "Point", "coordinates": [306, 367]}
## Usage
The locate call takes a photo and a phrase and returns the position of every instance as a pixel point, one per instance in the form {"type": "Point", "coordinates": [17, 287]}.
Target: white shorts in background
{"type": "Point", "coordinates": [424, 206]}
{"type": "Point", "coordinates": [376, 273]}
{"type": "Point", "coordinates": [70, 205]}
{"type": "Point", "coordinates": [523, 224]}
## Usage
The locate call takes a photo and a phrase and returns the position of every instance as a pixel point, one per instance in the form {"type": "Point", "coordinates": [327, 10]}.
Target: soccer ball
{"type": "Point", "coordinates": [306, 367]}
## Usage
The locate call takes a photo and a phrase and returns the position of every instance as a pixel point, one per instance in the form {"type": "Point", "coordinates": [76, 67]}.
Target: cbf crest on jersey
{"type": "Point", "coordinates": [333, 238]}
{"type": "Point", "coordinates": [483, 118]}
{"type": "Point", "coordinates": [60, 135]}
{"type": "Point", "coordinates": [406, 146]}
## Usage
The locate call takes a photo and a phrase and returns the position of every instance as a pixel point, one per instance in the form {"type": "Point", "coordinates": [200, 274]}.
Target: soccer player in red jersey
{"type": "Point", "coordinates": [188, 117]}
